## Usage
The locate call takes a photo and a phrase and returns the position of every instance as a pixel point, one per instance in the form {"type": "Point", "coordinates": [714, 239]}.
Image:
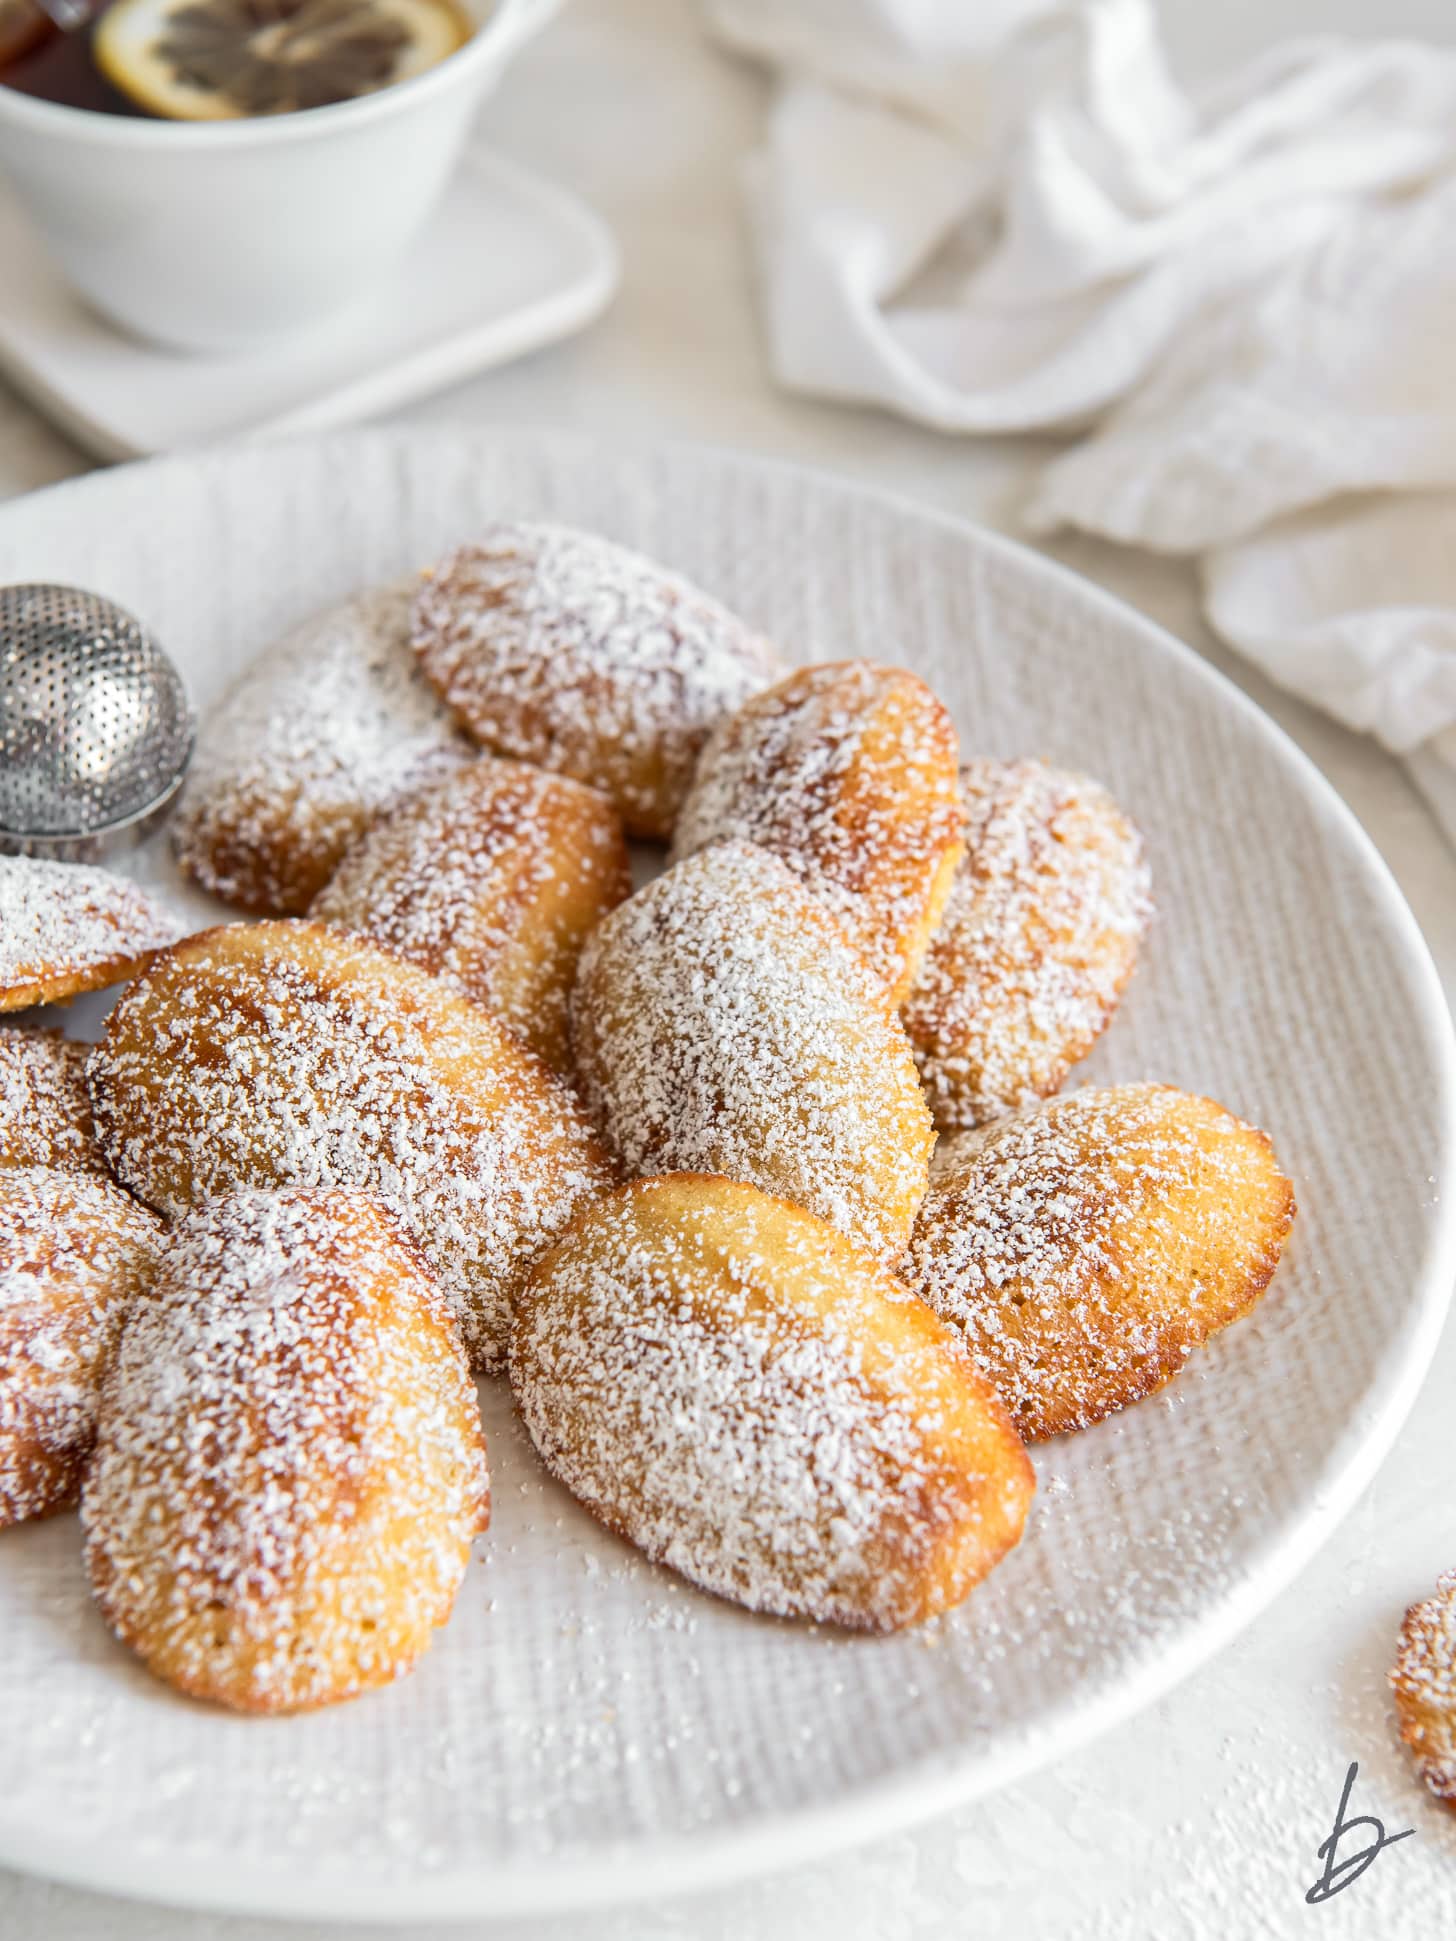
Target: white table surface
{"type": "Point", "coordinates": [1201, 1817]}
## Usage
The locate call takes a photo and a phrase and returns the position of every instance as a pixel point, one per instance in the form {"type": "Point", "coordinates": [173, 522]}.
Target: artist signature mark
{"type": "Point", "coordinates": [1341, 1873]}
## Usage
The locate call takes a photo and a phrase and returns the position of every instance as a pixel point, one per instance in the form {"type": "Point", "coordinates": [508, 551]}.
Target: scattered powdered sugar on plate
{"type": "Point", "coordinates": [563, 649]}
{"type": "Point", "coordinates": [325, 730]}
{"type": "Point", "coordinates": [68, 927]}
{"type": "Point", "coordinates": [1038, 940]}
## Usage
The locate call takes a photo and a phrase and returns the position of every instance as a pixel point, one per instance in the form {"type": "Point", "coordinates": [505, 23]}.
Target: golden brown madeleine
{"type": "Point", "coordinates": [326, 730]}
{"type": "Point", "coordinates": [74, 1252]}
{"type": "Point", "coordinates": [1037, 943]}
{"type": "Point", "coordinates": [269, 1054]}
{"type": "Point", "coordinates": [722, 1024]}
{"type": "Point", "coordinates": [67, 928]}
{"type": "Point", "coordinates": [491, 878]}
{"type": "Point", "coordinates": [1086, 1247]}
{"type": "Point", "coordinates": [45, 1112]}
{"type": "Point", "coordinates": [847, 772]}
{"type": "Point", "coordinates": [289, 1464]}
{"type": "Point", "coordinates": [563, 649]}
{"type": "Point", "coordinates": [1424, 1681]}
{"type": "Point", "coordinates": [753, 1400]}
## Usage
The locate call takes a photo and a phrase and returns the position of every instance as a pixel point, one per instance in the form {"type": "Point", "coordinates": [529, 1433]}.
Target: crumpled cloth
{"type": "Point", "coordinates": [1010, 217]}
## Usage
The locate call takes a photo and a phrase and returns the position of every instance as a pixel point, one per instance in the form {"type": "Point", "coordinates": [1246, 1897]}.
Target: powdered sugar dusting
{"type": "Point", "coordinates": [45, 1113]}
{"type": "Point", "coordinates": [490, 878]}
{"type": "Point", "coordinates": [723, 1025]}
{"type": "Point", "coordinates": [727, 1384]}
{"type": "Point", "coordinates": [290, 1464]}
{"type": "Point", "coordinates": [68, 927]}
{"type": "Point", "coordinates": [1039, 938]}
{"type": "Point", "coordinates": [74, 1251]}
{"type": "Point", "coordinates": [1424, 1681]}
{"type": "Point", "coordinates": [325, 730]}
{"type": "Point", "coordinates": [286, 1052]}
{"type": "Point", "coordinates": [566, 650]}
{"type": "Point", "coordinates": [848, 773]}
{"type": "Point", "coordinates": [1086, 1246]}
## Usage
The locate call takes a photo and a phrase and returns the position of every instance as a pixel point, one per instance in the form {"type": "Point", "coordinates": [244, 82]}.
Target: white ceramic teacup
{"type": "Point", "coordinates": [219, 236]}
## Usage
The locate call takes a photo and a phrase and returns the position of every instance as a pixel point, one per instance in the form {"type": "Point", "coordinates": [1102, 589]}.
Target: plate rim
{"type": "Point", "coordinates": [943, 1781]}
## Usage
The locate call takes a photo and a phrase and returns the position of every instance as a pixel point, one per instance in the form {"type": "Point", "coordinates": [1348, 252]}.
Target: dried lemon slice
{"type": "Point", "coordinates": [218, 60]}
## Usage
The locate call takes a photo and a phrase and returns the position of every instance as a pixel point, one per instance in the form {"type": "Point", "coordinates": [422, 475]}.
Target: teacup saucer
{"type": "Point", "coordinates": [509, 263]}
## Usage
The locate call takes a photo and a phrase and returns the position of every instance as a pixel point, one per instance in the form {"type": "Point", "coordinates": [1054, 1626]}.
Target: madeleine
{"type": "Point", "coordinates": [847, 773]}
{"type": "Point", "coordinates": [307, 1546]}
{"type": "Point", "coordinates": [722, 1024]}
{"type": "Point", "coordinates": [751, 1399]}
{"type": "Point", "coordinates": [1085, 1248]}
{"type": "Point", "coordinates": [276, 1054]}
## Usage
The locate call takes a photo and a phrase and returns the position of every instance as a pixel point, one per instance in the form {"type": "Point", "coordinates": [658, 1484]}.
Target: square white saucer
{"type": "Point", "coordinates": [507, 264]}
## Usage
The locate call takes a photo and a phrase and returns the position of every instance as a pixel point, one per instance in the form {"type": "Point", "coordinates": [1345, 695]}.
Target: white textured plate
{"type": "Point", "coordinates": [588, 1727]}
{"type": "Point", "coordinates": [506, 264]}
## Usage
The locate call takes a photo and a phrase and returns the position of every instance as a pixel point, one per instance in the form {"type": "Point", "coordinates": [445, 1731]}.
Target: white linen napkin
{"type": "Point", "coordinates": [1010, 217]}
